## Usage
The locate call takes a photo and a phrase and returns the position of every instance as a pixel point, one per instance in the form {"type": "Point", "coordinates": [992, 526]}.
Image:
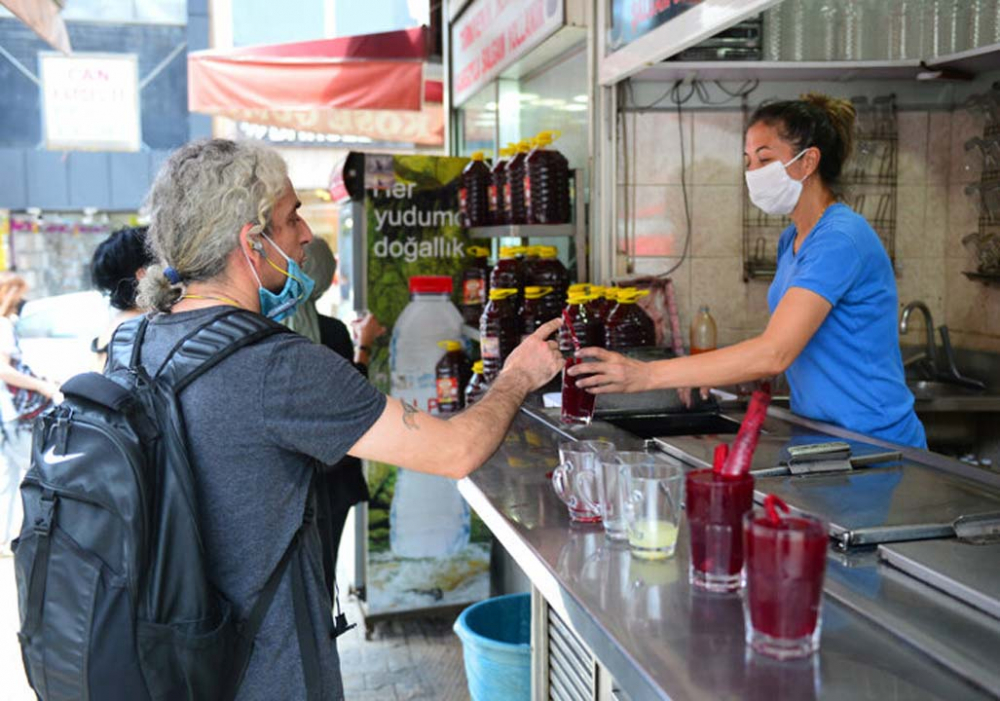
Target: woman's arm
{"type": "Point", "coordinates": [18, 379]}
{"type": "Point", "coordinates": [797, 317]}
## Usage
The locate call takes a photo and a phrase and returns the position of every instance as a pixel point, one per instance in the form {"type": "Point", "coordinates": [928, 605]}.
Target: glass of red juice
{"type": "Point", "coordinates": [785, 562]}
{"type": "Point", "coordinates": [577, 403]}
{"type": "Point", "coordinates": [715, 508]}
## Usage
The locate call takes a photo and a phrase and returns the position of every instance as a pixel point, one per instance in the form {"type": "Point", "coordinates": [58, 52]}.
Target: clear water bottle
{"type": "Point", "coordinates": [428, 517]}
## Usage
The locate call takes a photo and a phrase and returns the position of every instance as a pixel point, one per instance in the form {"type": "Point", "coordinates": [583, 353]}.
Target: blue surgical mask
{"type": "Point", "coordinates": [298, 287]}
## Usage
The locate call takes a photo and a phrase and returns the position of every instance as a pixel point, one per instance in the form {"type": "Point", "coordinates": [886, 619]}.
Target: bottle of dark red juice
{"type": "Point", "coordinates": [514, 188]}
{"type": "Point", "coordinates": [628, 326]}
{"type": "Point", "coordinates": [473, 195]}
{"type": "Point", "coordinates": [546, 183]}
{"type": "Point", "coordinates": [452, 373]}
{"type": "Point", "coordinates": [477, 386]}
{"type": "Point", "coordinates": [508, 273]}
{"type": "Point", "coordinates": [581, 321]}
{"type": "Point", "coordinates": [536, 310]}
{"type": "Point", "coordinates": [499, 330]}
{"type": "Point", "coordinates": [475, 284]}
{"type": "Point", "coordinates": [547, 271]}
{"type": "Point", "coordinates": [497, 189]}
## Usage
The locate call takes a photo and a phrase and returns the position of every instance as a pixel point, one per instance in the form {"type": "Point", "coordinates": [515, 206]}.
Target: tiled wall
{"type": "Point", "coordinates": [933, 215]}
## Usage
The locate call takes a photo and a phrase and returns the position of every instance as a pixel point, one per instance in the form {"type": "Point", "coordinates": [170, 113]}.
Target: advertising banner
{"type": "Point", "coordinates": [492, 34]}
{"type": "Point", "coordinates": [630, 19]}
{"type": "Point", "coordinates": [425, 548]}
{"type": "Point", "coordinates": [90, 102]}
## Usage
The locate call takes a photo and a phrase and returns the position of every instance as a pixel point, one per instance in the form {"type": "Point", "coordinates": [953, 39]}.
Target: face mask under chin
{"type": "Point", "coordinates": [297, 288]}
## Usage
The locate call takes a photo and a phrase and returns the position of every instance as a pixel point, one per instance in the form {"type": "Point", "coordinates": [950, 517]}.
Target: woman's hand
{"type": "Point", "coordinates": [367, 329]}
{"type": "Point", "coordinates": [612, 372]}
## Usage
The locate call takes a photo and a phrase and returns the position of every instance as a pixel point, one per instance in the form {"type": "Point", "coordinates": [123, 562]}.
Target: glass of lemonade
{"type": "Point", "coordinates": [652, 499]}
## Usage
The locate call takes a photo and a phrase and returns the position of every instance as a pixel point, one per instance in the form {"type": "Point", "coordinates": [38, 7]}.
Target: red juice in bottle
{"type": "Point", "coordinates": [508, 273]}
{"type": "Point", "coordinates": [628, 326]}
{"type": "Point", "coordinates": [473, 194]}
{"type": "Point", "coordinates": [499, 331]}
{"type": "Point", "coordinates": [535, 310]}
{"type": "Point", "coordinates": [715, 508]}
{"type": "Point", "coordinates": [546, 183]}
{"type": "Point", "coordinates": [452, 373]}
{"type": "Point", "coordinates": [785, 564]}
{"type": "Point", "coordinates": [477, 386]}
{"type": "Point", "coordinates": [514, 188]}
{"type": "Point", "coordinates": [497, 187]}
{"type": "Point", "coordinates": [547, 271]}
{"type": "Point", "coordinates": [582, 320]}
{"type": "Point", "coordinates": [475, 284]}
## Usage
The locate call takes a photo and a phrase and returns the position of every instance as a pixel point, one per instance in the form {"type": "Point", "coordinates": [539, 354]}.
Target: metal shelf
{"type": "Point", "coordinates": [522, 231]}
{"type": "Point", "coordinates": [840, 71]}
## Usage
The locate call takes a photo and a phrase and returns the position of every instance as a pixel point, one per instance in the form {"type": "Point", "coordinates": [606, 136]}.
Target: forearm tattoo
{"type": "Point", "coordinates": [410, 415]}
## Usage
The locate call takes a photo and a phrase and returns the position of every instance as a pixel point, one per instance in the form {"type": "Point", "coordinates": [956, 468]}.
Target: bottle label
{"type": "Point", "coordinates": [494, 201]}
{"type": "Point", "coordinates": [447, 390]}
{"type": "Point", "coordinates": [507, 204]}
{"type": "Point", "coordinates": [473, 292]}
{"type": "Point", "coordinates": [463, 200]}
{"type": "Point", "coordinates": [489, 347]}
{"type": "Point", "coordinates": [527, 190]}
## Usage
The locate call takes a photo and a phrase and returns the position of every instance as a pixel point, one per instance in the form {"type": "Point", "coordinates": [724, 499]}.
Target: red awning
{"type": "Point", "coordinates": [370, 85]}
{"type": "Point", "coordinates": [43, 17]}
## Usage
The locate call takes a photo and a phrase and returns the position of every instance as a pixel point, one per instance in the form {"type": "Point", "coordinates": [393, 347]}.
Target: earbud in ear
{"type": "Point", "coordinates": [257, 246]}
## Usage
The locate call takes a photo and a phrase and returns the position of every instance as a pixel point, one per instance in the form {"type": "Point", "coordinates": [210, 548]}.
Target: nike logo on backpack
{"type": "Point", "coordinates": [50, 457]}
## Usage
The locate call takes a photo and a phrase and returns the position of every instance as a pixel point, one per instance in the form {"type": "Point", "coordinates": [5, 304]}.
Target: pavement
{"type": "Point", "coordinates": [405, 660]}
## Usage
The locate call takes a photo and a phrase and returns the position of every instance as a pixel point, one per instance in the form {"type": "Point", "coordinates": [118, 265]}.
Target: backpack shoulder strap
{"type": "Point", "coordinates": [213, 342]}
{"type": "Point", "coordinates": [124, 344]}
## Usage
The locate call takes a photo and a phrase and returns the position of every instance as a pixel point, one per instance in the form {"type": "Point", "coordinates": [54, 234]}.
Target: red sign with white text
{"type": "Point", "coordinates": [492, 34]}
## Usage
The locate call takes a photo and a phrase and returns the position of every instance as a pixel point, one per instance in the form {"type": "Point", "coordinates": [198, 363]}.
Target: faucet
{"type": "Point", "coordinates": [930, 352]}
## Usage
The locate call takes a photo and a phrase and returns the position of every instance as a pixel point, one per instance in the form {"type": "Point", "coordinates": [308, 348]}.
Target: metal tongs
{"type": "Point", "coordinates": [824, 458]}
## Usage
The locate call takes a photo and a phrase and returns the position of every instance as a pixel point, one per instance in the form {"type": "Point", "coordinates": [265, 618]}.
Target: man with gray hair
{"type": "Point", "coordinates": [225, 231]}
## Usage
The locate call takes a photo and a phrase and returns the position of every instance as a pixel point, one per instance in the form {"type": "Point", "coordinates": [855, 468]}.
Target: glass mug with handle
{"type": "Point", "coordinates": [575, 481]}
{"type": "Point", "coordinates": [652, 498]}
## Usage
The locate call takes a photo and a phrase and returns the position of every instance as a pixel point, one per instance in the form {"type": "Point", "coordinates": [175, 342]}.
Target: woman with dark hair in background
{"type": "Point", "coordinates": [833, 300]}
{"type": "Point", "coordinates": [343, 485]}
{"type": "Point", "coordinates": [118, 264]}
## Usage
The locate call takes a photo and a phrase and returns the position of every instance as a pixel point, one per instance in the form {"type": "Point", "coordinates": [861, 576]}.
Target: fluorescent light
{"type": "Point", "coordinates": [573, 107]}
{"type": "Point", "coordinates": [581, 98]}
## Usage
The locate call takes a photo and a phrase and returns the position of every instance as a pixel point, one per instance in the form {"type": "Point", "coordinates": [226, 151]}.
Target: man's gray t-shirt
{"type": "Point", "coordinates": [258, 425]}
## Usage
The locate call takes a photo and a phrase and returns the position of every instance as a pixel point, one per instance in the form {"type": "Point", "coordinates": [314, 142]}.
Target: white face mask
{"type": "Point", "coordinates": [772, 189]}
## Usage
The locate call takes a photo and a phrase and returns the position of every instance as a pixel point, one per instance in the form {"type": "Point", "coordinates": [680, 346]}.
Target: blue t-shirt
{"type": "Point", "coordinates": [851, 371]}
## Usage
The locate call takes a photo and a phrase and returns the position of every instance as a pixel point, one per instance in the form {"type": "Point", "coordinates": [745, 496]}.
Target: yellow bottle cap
{"type": "Point", "coordinates": [547, 251]}
{"type": "Point", "coordinates": [536, 292]}
{"type": "Point", "coordinates": [579, 287]}
{"type": "Point", "coordinates": [612, 293]}
{"type": "Point", "coordinates": [597, 291]}
{"type": "Point", "coordinates": [508, 251]}
{"type": "Point", "coordinates": [478, 251]}
{"type": "Point", "coordinates": [477, 367]}
{"type": "Point", "coordinates": [506, 152]}
{"type": "Point", "coordinates": [630, 295]}
{"type": "Point", "coordinates": [580, 298]}
{"type": "Point", "coordinates": [523, 146]}
{"type": "Point", "coordinates": [502, 293]}
{"type": "Point", "coordinates": [478, 156]}
{"type": "Point", "coordinates": [450, 345]}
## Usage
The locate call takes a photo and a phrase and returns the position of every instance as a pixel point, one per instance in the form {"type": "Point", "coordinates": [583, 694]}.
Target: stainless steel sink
{"type": "Point", "coordinates": [926, 390]}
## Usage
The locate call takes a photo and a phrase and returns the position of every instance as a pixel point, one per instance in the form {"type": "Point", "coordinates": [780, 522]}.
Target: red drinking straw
{"type": "Point", "coordinates": [738, 461]}
{"type": "Point", "coordinates": [572, 331]}
{"type": "Point", "coordinates": [719, 459]}
{"type": "Point", "coordinates": [771, 505]}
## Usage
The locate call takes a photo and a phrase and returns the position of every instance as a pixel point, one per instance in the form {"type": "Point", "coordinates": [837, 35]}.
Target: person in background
{"type": "Point", "coordinates": [22, 397]}
{"type": "Point", "coordinates": [119, 263]}
{"type": "Point", "coordinates": [343, 485]}
{"type": "Point", "coordinates": [833, 300]}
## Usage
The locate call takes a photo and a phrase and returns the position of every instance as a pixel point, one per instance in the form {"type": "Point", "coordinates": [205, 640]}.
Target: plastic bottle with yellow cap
{"type": "Point", "coordinates": [475, 284]}
{"type": "Point", "coordinates": [628, 326]}
{"type": "Point", "coordinates": [514, 189]}
{"type": "Point", "coordinates": [499, 330]}
{"type": "Point", "coordinates": [451, 374]}
{"type": "Point", "coordinates": [509, 271]}
{"type": "Point", "coordinates": [547, 271]}
{"type": "Point", "coordinates": [477, 386]}
{"type": "Point", "coordinates": [473, 194]}
{"type": "Point", "coordinates": [495, 192]}
{"type": "Point", "coordinates": [537, 308]}
{"type": "Point", "coordinates": [546, 183]}
{"type": "Point", "coordinates": [581, 322]}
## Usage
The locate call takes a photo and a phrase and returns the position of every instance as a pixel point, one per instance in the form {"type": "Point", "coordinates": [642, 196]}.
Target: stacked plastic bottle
{"type": "Point", "coordinates": [452, 374]}
{"type": "Point", "coordinates": [514, 206]}
{"type": "Point", "coordinates": [498, 182]}
{"type": "Point", "coordinates": [477, 386]}
{"type": "Point", "coordinates": [413, 353]}
{"type": "Point", "coordinates": [628, 326]}
{"type": "Point", "coordinates": [475, 284]}
{"type": "Point", "coordinates": [547, 271]}
{"type": "Point", "coordinates": [499, 330]}
{"type": "Point", "coordinates": [546, 183]}
{"type": "Point", "coordinates": [580, 315]}
{"type": "Point", "coordinates": [537, 308]}
{"type": "Point", "coordinates": [508, 273]}
{"type": "Point", "coordinates": [473, 194]}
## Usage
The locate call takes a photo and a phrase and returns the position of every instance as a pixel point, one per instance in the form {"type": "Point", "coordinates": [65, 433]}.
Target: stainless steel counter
{"type": "Point", "coordinates": [661, 639]}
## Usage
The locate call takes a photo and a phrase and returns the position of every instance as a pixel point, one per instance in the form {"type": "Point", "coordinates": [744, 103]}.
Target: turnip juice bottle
{"type": "Point", "coordinates": [499, 331]}
{"type": "Point", "coordinates": [628, 326]}
{"type": "Point", "coordinates": [428, 517]}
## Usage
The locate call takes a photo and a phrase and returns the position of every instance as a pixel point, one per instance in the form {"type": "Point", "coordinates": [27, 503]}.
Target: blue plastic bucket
{"type": "Point", "coordinates": [496, 645]}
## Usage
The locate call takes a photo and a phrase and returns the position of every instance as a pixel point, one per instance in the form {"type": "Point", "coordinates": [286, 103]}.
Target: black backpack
{"type": "Point", "coordinates": [113, 589]}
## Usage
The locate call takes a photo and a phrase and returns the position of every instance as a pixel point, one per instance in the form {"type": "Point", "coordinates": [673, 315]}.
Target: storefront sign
{"type": "Point", "coordinates": [90, 102]}
{"type": "Point", "coordinates": [492, 34]}
{"type": "Point", "coordinates": [630, 19]}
